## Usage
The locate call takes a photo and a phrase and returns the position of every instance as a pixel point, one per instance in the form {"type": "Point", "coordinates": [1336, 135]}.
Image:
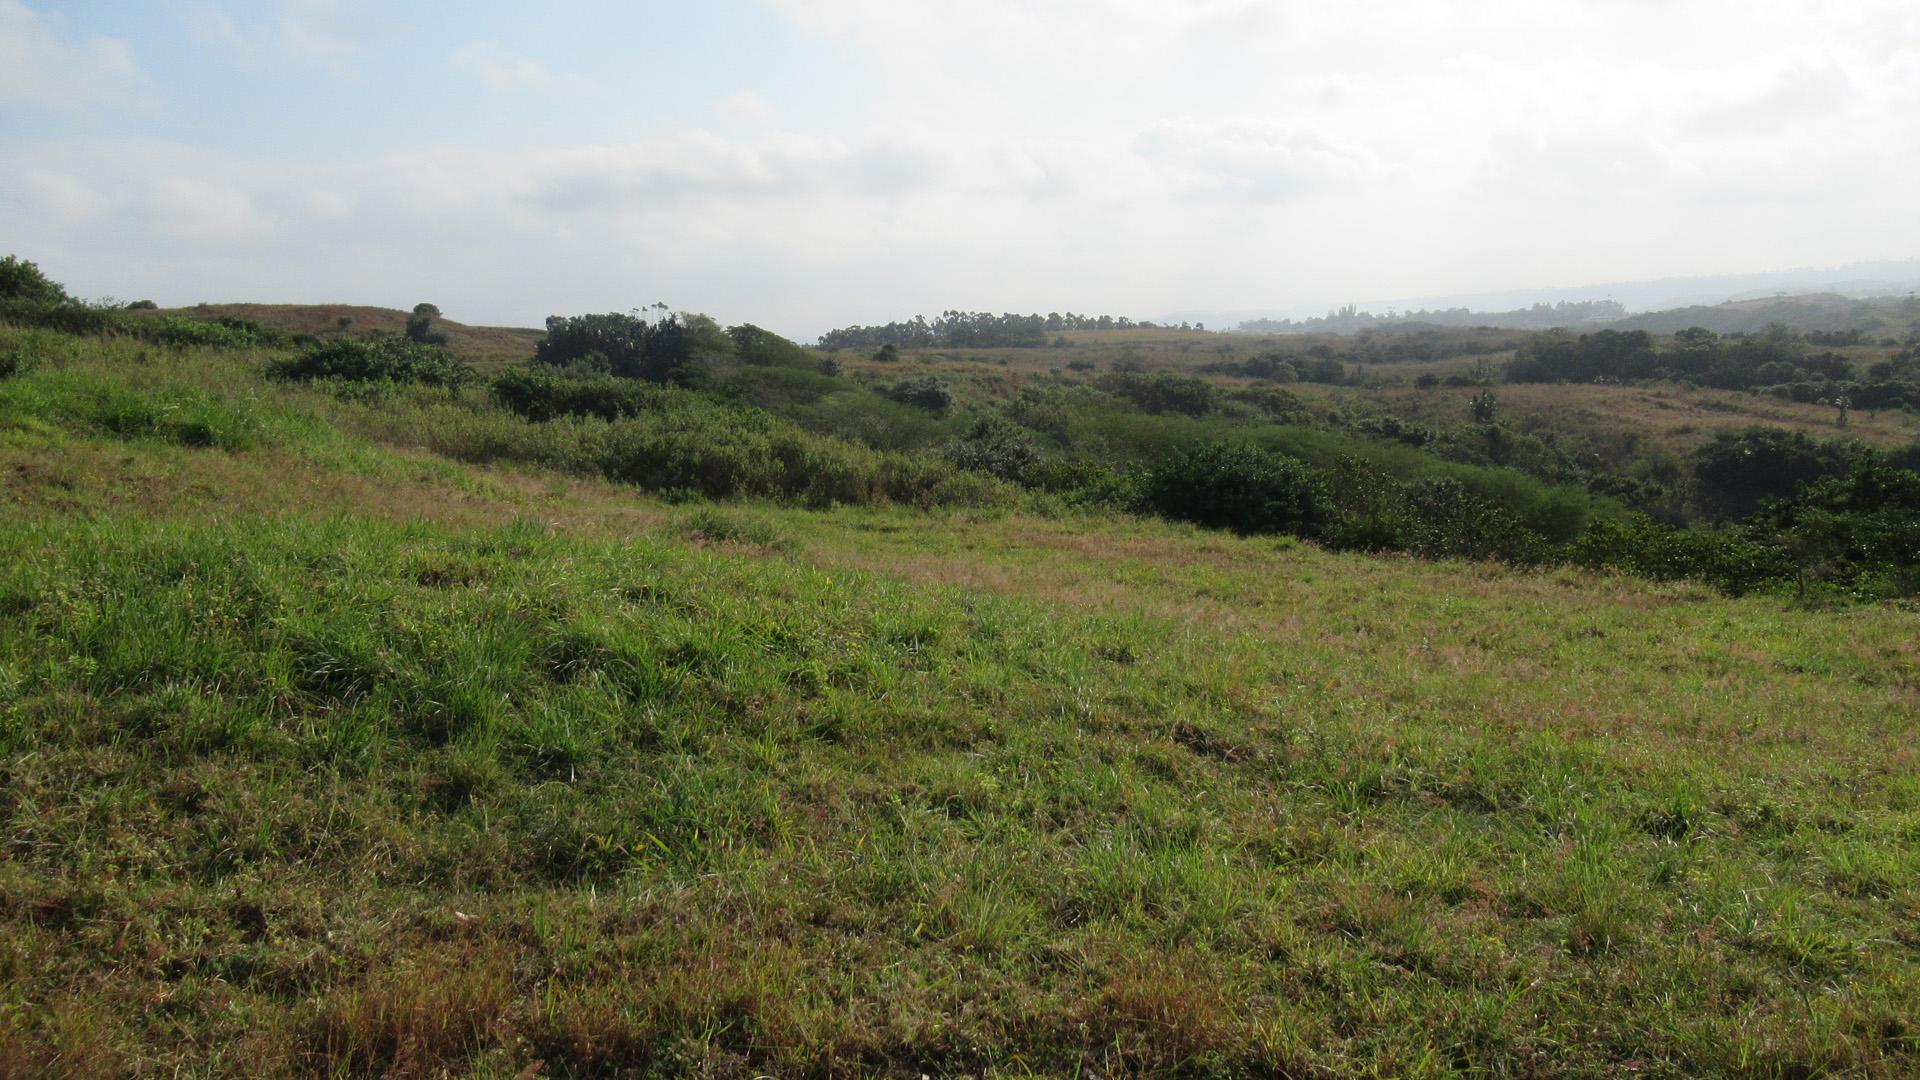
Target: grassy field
{"type": "Point", "coordinates": [322, 753]}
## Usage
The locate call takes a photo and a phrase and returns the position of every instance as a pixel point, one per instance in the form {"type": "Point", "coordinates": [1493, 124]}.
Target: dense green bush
{"type": "Point", "coordinates": [1732, 560]}
{"type": "Point", "coordinates": [1739, 470]}
{"type": "Point", "coordinates": [995, 447]}
{"type": "Point", "coordinates": [663, 350]}
{"type": "Point", "coordinates": [546, 395]}
{"type": "Point", "coordinates": [1432, 517]}
{"type": "Point", "coordinates": [382, 359]}
{"type": "Point", "coordinates": [22, 281]}
{"type": "Point", "coordinates": [177, 332]}
{"type": "Point", "coordinates": [922, 391]}
{"type": "Point", "coordinates": [1240, 487]}
{"type": "Point", "coordinates": [777, 387]}
{"type": "Point", "coordinates": [66, 316]}
{"type": "Point", "coordinates": [1162, 392]}
{"type": "Point", "coordinates": [1271, 402]}
{"type": "Point", "coordinates": [668, 439]}
{"type": "Point", "coordinates": [752, 345]}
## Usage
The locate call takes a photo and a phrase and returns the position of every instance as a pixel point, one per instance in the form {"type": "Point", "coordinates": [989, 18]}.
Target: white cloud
{"type": "Point", "coordinates": [747, 106]}
{"type": "Point", "coordinates": [331, 34]}
{"type": "Point", "coordinates": [42, 67]}
{"type": "Point", "coordinates": [1132, 156]}
{"type": "Point", "coordinates": [1254, 160]}
{"type": "Point", "coordinates": [515, 74]}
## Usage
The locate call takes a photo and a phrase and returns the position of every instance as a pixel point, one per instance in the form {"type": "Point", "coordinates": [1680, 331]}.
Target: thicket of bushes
{"type": "Point", "coordinates": [1778, 361]}
{"type": "Point", "coordinates": [29, 298]}
{"type": "Point", "coordinates": [380, 359]}
{"type": "Point", "coordinates": [1856, 533]}
{"type": "Point", "coordinates": [673, 439]}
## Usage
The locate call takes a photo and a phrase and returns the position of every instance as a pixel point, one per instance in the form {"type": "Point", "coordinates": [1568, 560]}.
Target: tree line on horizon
{"type": "Point", "coordinates": [981, 330]}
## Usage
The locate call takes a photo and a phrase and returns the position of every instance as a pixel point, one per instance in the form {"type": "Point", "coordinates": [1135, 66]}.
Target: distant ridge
{"type": "Point", "coordinates": [1883, 278]}
{"type": "Point", "coordinates": [482, 345]}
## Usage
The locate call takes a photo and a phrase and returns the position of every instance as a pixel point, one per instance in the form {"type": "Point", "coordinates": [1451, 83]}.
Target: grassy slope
{"type": "Point", "coordinates": [319, 754]}
{"type": "Point", "coordinates": [485, 347]}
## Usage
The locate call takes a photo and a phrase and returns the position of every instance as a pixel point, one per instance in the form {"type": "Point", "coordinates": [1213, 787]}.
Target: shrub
{"type": "Point", "coordinates": [925, 391]}
{"type": "Point", "coordinates": [380, 359]}
{"type": "Point", "coordinates": [1241, 487]}
{"type": "Point", "coordinates": [1738, 471]}
{"type": "Point", "coordinates": [1275, 403]}
{"type": "Point", "coordinates": [995, 447]}
{"type": "Point", "coordinates": [752, 345]}
{"type": "Point", "coordinates": [22, 281]}
{"type": "Point", "coordinates": [665, 350]}
{"type": "Point", "coordinates": [177, 332]}
{"type": "Point", "coordinates": [1162, 392]}
{"type": "Point", "coordinates": [420, 325]}
{"type": "Point", "coordinates": [775, 387]}
{"type": "Point", "coordinates": [65, 316]}
{"type": "Point", "coordinates": [544, 395]}
{"type": "Point", "coordinates": [1432, 517]}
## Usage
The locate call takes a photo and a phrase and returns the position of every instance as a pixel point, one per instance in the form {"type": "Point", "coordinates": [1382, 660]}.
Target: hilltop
{"type": "Point", "coordinates": [486, 347]}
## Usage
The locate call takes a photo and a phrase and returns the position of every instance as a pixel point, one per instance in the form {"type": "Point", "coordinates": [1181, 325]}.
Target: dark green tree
{"type": "Point", "coordinates": [22, 280]}
{"type": "Point", "coordinates": [420, 325]}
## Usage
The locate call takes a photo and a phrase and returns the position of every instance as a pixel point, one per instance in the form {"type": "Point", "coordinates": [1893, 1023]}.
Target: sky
{"type": "Point", "coordinates": [804, 164]}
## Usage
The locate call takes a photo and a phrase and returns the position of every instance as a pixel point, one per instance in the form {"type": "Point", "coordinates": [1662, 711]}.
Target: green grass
{"type": "Point", "coordinates": [419, 770]}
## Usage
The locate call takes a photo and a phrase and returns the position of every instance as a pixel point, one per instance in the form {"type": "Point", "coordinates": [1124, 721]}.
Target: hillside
{"type": "Point", "coordinates": [486, 347]}
{"type": "Point", "coordinates": [361, 731]}
{"type": "Point", "coordinates": [1886, 316]}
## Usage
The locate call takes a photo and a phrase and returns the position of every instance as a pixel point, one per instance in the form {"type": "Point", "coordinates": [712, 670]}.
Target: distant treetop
{"type": "Point", "coordinates": [973, 329]}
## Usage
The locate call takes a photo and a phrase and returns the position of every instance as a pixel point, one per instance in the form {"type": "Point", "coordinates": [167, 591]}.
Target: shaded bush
{"type": "Point", "coordinates": [177, 332]}
{"type": "Point", "coordinates": [22, 281]}
{"type": "Point", "coordinates": [775, 387]}
{"type": "Point", "coordinates": [1731, 560]}
{"type": "Point", "coordinates": [666, 438]}
{"type": "Point", "coordinates": [384, 359]}
{"type": "Point", "coordinates": [995, 447]}
{"type": "Point", "coordinates": [420, 325]}
{"type": "Point", "coordinates": [663, 350]}
{"type": "Point", "coordinates": [1273, 402]}
{"type": "Point", "coordinates": [1240, 487]}
{"type": "Point", "coordinates": [1739, 470]}
{"type": "Point", "coordinates": [752, 345]}
{"type": "Point", "coordinates": [65, 316]}
{"type": "Point", "coordinates": [1432, 517]}
{"type": "Point", "coordinates": [546, 395]}
{"type": "Point", "coordinates": [1162, 392]}
{"type": "Point", "coordinates": [923, 391]}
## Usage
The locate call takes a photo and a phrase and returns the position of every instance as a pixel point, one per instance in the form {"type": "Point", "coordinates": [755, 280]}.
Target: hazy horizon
{"type": "Point", "coordinates": [803, 165]}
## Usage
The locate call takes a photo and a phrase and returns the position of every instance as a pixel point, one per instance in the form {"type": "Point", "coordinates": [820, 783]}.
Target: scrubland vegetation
{"type": "Point", "coordinates": [682, 701]}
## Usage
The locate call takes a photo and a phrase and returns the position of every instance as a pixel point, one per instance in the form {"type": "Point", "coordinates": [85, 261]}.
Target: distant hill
{"type": "Point", "coordinates": [1877, 317]}
{"type": "Point", "coordinates": [483, 346]}
{"type": "Point", "coordinates": [1887, 316]}
{"type": "Point", "coordinates": [1884, 278]}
